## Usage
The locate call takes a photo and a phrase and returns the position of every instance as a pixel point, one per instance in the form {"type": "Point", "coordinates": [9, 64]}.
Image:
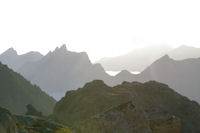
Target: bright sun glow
{"type": "Point", "coordinates": [101, 28]}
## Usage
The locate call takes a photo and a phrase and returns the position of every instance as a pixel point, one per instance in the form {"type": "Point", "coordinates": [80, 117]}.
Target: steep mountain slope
{"type": "Point", "coordinates": [183, 75]}
{"type": "Point", "coordinates": [16, 92]}
{"type": "Point", "coordinates": [62, 70]}
{"type": "Point", "coordinates": [137, 60]}
{"type": "Point", "coordinates": [157, 101]}
{"type": "Point", "coordinates": [15, 61]}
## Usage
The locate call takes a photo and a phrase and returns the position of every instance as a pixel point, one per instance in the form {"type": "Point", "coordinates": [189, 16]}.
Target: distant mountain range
{"type": "Point", "coordinates": [141, 58]}
{"type": "Point", "coordinates": [15, 61]}
{"type": "Point", "coordinates": [182, 75]}
{"type": "Point", "coordinates": [129, 107]}
{"type": "Point", "coordinates": [16, 92]}
{"type": "Point", "coordinates": [62, 70]}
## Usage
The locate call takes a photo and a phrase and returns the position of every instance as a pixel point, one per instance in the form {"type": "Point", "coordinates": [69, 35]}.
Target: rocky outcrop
{"type": "Point", "coordinates": [32, 111]}
{"type": "Point", "coordinates": [7, 122]}
{"type": "Point", "coordinates": [126, 118]}
{"type": "Point", "coordinates": [155, 107]}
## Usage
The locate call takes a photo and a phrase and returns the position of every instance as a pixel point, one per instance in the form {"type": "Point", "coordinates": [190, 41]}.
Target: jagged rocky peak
{"type": "Point", "coordinates": [10, 51]}
{"type": "Point", "coordinates": [63, 48]}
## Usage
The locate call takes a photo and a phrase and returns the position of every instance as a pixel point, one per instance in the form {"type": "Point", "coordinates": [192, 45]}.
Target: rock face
{"type": "Point", "coordinates": [7, 122]}
{"type": "Point", "coordinates": [165, 125]}
{"type": "Point", "coordinates": [16, 92]}
{"type": "Point", "coordinates": [32, 111]}
{"type": "Point", "coordinates": [126, 118]}
{"type": "Point", "coordinates": [155, 105]}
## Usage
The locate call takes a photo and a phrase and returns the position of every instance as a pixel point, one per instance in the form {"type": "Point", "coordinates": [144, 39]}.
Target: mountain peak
{"type": "Point", "coordinates": [10, 51]}
{"type": "Point", "coordinates": [165, 57]}
{"type": "Point", "coordinates": [62, 49]}
{"type": "Point", "coordinates": [95, 83]}
{"type": "Point", "coordinates": [124, 72]}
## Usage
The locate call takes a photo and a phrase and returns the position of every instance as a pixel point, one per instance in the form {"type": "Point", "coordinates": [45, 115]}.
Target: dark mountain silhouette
{"type": "Point", "coordinates": [15, 61]}
{"type": "Point", "coordinates": [154, 107]}
{"type": "Point", "coordinates": [139, 59]}
{"type": "Point", "coordinates": [16, 92]}
{"type": "Point", "coordinates": [62, 70]}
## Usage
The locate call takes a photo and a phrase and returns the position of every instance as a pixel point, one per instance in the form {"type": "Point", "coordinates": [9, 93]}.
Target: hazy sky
{"type": "Point", "coordinates": [99, 27]}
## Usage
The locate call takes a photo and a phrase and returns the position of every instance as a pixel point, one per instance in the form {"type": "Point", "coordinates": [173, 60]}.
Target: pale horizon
{"type": "Point", "coordinates": [101, 28]}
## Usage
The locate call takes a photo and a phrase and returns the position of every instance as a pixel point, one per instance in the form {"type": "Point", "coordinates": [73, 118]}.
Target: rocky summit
{"type": "Point", "coordinates": [126, 118]}
{"type": "Point", "coordinates": [149, 107]}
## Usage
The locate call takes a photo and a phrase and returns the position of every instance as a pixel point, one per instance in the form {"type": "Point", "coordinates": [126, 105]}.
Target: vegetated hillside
{"type": "Point", "coordinates": [62, 70]}
{"type": "Point", "coordinates": [15, 61]}
{"type": "Point", "coordinates": [10, 123]}
{"type": "Point", "coordinates": [16, 92]}
{"type": "Point", "coordinates": [7, 122]}
{"type": "Point", "coordinates": [154, 99]}
{"type": "Point", "coordinates": [127, 118]}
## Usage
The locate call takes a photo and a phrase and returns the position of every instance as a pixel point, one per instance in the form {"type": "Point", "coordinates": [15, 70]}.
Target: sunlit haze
{"type": "Point", "coordinates": [101, 28]}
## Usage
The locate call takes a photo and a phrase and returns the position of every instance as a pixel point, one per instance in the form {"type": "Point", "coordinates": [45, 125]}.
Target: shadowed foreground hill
{"type": "Point", "coordinates": [7, 122]}
{"type": "Point", "coordinates": [156, 105]}
{"type": "Point", "coordinates": [28, 124]}
{"type": "Point", "coordinates": [16, 92]}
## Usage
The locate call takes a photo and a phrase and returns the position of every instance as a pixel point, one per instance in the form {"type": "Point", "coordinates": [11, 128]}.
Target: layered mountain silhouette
{"type": "Point", "coordinates": [182, 75]}
{"type": "Point", "coordinates": [62, 70]}
{"type": "Point", "coordinates": [129, 107]}
{"type": "Point", "coordinates": [15, 61]}
{"type": "Point", "coordinates": [16, 92]}
{"type": "Point", "coordinates": [141, 58]}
